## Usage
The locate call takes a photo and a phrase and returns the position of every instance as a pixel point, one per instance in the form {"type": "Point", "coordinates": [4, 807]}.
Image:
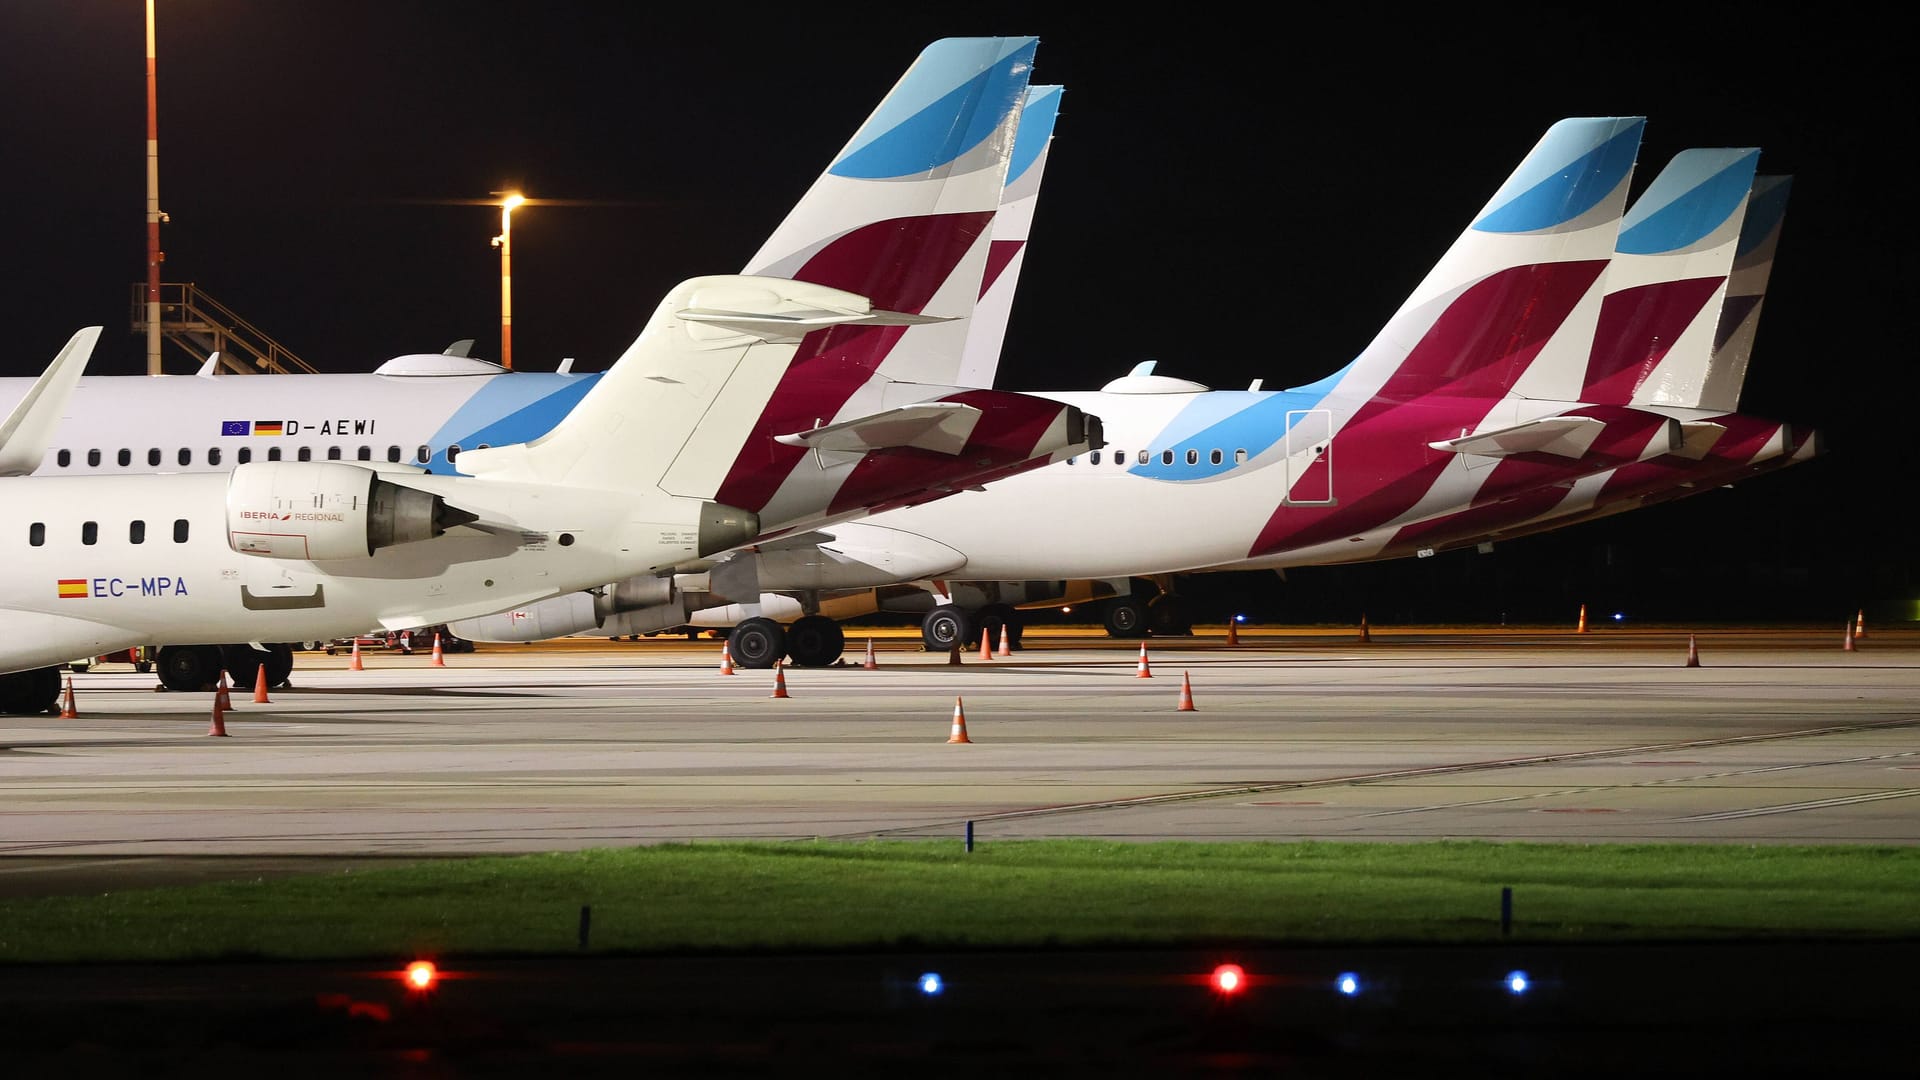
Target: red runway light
{"type": "Point", "coordinates": [421, 975]}
{"type": "Point", "coordinates": [1229, 979]}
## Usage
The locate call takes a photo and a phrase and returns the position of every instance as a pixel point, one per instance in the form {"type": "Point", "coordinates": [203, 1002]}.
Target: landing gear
{"type": "Point", "coordinates": [1126, 617]}
{"type": "Point", "coordinates": [757, 643]}
{"type": "Point", "coordinates": [1169, 616]}
{"type": "Point", "coordinates": [815, 641]}
{"type": "Point", "coordinates": [25, 693]}
{"type": "Point", "coordinates": [993, 617]}
{"type": "Point", "coordinates": [190, 667]}
{"type": "Point", "coordinates": [945, 628]}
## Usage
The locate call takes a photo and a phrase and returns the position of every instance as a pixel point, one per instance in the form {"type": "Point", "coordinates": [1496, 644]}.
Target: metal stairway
{"type": "Point", "coordinates": [203, 326]}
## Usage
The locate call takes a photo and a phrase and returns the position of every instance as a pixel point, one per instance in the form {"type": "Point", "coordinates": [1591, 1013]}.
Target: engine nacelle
{"type": "Point", "coordinates": [321, 510]}
{"type": "Point", "coordinates": [633, 594]}
{"type": "Point", "coordinates": [554, 617]}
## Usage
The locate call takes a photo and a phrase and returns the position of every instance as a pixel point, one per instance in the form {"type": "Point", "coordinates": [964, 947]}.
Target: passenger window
{"type": "Point", "coordinates": [153, 456]}
{"type": "Point", "coordinates": [1093, 458]}
{"type": "Point", "coordinates": [137, 532]}
{"type": "Point", "coordinates": [273, 453]}
{"type": "Point", "coordinates": [89, 532]}
{"type": "Point", "coordinates": [126, 458]}
{"type": "Point", "coordinates": [243, 455]}
{"type": "Point", "coordinates": [424, 454]}
{"type": "Point", "coordinates": [186, 456]}
{"type": "Point", "coordinates": [64, 458]}
{"type": "Point", "coordinates": [1166, 457]}
{"type": "Point", "coordinates": [37, 534]}
{"type": "Point", "coordinates": [333, 453]}
{"type": "Point", "coordinates": [393, 453]}
{"type": "Point", "coordinates": [213, 456]}
{"type": "Point", "coordinates": [180, 530]}
{"type": "Point", "coordinates": [93, 458]}
{"type": "Point", "coordinates": [453, 451]}
{"type": "Point", "coordinates": [1145, 457]}
{"type": "Point", "coordinates": [1239, 457]}
{"type": "Point", "coordinates": [1215, 458]}
{"type": "Point", "coordinates": [306, 453]}
{"type": "Point", "coordinates": [1193, 457]}
{"type": "Point", "coordinates": [366, 453]}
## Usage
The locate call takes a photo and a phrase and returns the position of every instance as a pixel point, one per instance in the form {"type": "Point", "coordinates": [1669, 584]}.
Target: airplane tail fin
{"type": "Point", "coordinates": [28, 429]}
{"type": "Point", "coordinates": [1519, 280]}
{"type": "Point", "coordinates": [1746, 289]}
{"type": "Point", "coordinates": [1667, 280]}
{"type": "Point", "coordinates": [916, 189]}
{"type": "Point", "coordinates": [1011, 227]}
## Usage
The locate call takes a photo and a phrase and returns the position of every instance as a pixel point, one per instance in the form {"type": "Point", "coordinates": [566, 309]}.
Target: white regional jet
{"type": "Point", "coordinates": [751, 408]}
{"type": "Point", "coordinates": [1566, 358]}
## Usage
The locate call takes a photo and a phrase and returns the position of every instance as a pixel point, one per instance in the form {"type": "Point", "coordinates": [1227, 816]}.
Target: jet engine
{"type": "Point", "coordinates": [323, 510]}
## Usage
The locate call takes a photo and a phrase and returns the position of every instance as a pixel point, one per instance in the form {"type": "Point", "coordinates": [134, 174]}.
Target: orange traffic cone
{"type": "Point", "coordinates": [1693, 653]}
{"type": "Point", "coordinates": [1847, 644]}
{"type": "Point", "coordinates": [220, 692]}
{"type": "Point", "coordinates": [986, 648]}
{"type": "Point", "coordinates": [870, 664]}
{"type": "Point", "coordinates": [1581, 628]}
{"type": "Point", "coordinates": [439, 657]}
{"type": "Point", "coordinates": [726, 659]}
{"type": "Point", "coordinates": [779, 680]}
{"type": "Point", "coordinates": [219, 725]}
{"type": "Point", "coordinates": [355, 664]}
{"type": "Point", "coordinates": [1366, 634]}
{"type": "Point", "coordinates": [1186, 694]}
{"type": "Point", "coordinates": [68, 711]}
{"type": "Point", "coordinates": [1145, 672]}
{"type": "Point", "coordinates": [1233, 631]}
{"type": "Point", "coordinates": [260, 686]}
{"type": "Point", "coordinates": [953, 656]}
{"type": "Point", "coordinates": [959, 724]}
{"type": "Point", "coordinates": [1006, 646]}
{"type": "Point", "coordinates": [1860, 623]}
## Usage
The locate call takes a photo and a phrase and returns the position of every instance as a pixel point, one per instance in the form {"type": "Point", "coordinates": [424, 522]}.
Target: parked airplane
{"type": "Point", "coordinates": [731, 374]}
{"type": "Point", "coordinates": [1549, 247]}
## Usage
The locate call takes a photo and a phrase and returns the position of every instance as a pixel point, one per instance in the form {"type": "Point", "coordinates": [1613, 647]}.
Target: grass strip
{"type": "Point", "coordinates": [817, 895]}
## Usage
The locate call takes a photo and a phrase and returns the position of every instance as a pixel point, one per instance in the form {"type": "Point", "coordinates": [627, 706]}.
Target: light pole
{"type": "Point", "coordinates": [505, 243]}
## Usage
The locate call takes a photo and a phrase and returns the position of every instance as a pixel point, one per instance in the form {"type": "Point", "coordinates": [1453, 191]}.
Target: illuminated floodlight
{"type": "Point", "coordinates": [1229, 979]}
{"type": "Point", "coordinates": [1347, 983]}
{"type": "Point", "coordinates": [421, 975]}
{"type": "Point", "coordinates": [931, 984]}
{"type": "Point", "coordinates": [1518, 983]}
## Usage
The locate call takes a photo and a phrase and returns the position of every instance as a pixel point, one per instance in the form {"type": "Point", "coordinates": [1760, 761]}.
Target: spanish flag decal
{"type": "Point", "coordinates": [73, 588]}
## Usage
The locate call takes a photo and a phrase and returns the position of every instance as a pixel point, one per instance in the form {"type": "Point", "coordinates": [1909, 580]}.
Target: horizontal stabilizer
{"type": "Point", "coordinates": [28, 430]}
{"type": "Point", "coordinates": [1697, 437]}
{"type": "Point", "coordinates": [744, 306]}
{"type": "Point", "coordinates": [940, 426]}
{"type": "Point", "coordinates": [1563, 436]}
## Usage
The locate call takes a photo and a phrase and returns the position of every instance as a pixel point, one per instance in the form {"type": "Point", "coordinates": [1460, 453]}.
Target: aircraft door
{"type": "Point", "coordinates": [1310, 457]}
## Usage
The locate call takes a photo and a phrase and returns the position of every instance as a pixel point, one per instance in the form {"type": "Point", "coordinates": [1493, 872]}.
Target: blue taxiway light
{"type": "Point", "coordinates": [1518, 983]}
{"type": "Point", "coordinates": [930, 984]}
{"type": "Point", "coordinates": [1347, 983]}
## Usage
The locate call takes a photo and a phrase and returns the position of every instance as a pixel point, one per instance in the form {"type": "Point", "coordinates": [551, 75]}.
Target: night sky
{"type": "Point", "coordinates": [1237, 199]}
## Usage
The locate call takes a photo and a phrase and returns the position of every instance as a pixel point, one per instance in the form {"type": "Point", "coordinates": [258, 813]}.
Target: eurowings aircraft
{"type": "Point", "coordinates": [1470, 409]}
{"type": "Point", "coordinates": [775, 392]}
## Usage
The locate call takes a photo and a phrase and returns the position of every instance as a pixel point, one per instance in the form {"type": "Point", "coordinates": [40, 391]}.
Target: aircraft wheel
{"type": "Point", "coordinates": [189, 667]}
{"type": "Point", "coordinates": [945, 627]}
{"type": "Point", "coordinates": [25, 693]}
{"type": "Point", "coordinates": [279, 663]}
{"type": "Point", "coordinates": [242, 664]}
{"type": "Point", "coordinates": [815, 641]}
{"type": "Point", "coordinates": [1169, 616]}
{"type": "Point", "coordinates": [1126, 617]}
{"type": "Point", "coordinates": [757, 643]}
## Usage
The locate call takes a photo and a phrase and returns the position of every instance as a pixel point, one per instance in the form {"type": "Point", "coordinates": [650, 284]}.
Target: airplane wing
{"type": "Point", "coordinates": [26, 433]}
{"type": "Point", "coordinates": [940, 426]}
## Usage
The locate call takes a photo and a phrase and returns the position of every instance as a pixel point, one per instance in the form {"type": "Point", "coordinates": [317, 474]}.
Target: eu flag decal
{"type": "Point", "coordinates": [233, 427]}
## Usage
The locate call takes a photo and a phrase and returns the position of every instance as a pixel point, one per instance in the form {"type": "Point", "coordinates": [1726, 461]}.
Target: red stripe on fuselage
{"type": "Point", "coordinates": [1450, 380]}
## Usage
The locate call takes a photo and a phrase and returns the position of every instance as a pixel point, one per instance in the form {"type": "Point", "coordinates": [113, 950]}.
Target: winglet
{"type": "Point", "coordinates": [28, 431]}
{"type": "Point", "coordinates": [211, 368]}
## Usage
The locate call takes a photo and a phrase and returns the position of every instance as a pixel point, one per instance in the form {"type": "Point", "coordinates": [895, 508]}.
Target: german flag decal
{"type": "Point", "coordinates": [73, 588]}
{"type": "Point", "coordinates": [267, 427]}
